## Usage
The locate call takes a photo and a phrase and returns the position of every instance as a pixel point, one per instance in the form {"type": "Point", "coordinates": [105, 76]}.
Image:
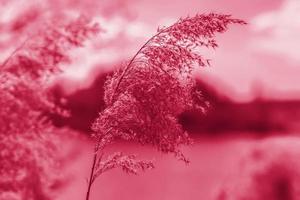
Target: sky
{"type": "Point", "coordinates": [260, 59]}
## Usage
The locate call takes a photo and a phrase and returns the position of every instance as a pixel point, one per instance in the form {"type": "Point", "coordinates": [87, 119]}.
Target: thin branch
{"type": "Point", "coordinates": [91, 175]}
{"type": "Point", "coordinates": [13, 53]}
{"type": "Point", "coordinates": [96, 162]}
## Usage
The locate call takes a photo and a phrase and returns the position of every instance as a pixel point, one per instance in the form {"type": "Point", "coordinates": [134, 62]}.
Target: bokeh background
{"type": "Point", "coordinates": [246, 146]}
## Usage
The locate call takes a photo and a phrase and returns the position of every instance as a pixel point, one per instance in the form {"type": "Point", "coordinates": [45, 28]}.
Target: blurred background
{"type": "Point", "coordinates": [246, 145]}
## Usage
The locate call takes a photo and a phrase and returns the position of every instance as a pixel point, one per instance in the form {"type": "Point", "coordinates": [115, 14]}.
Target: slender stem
{"type": "Point", "coordinates": [95, 163]}
{"type": "Point", "coordinates": [13, 53]}
{"type": "Point", "coordinates": [91, 179]}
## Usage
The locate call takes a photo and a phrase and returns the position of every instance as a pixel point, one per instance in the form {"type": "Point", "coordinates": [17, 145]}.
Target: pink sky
{"type": "Point", "coordinates": [263, 54]}
{"type": "Point", "coordinates": [259, 58]}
